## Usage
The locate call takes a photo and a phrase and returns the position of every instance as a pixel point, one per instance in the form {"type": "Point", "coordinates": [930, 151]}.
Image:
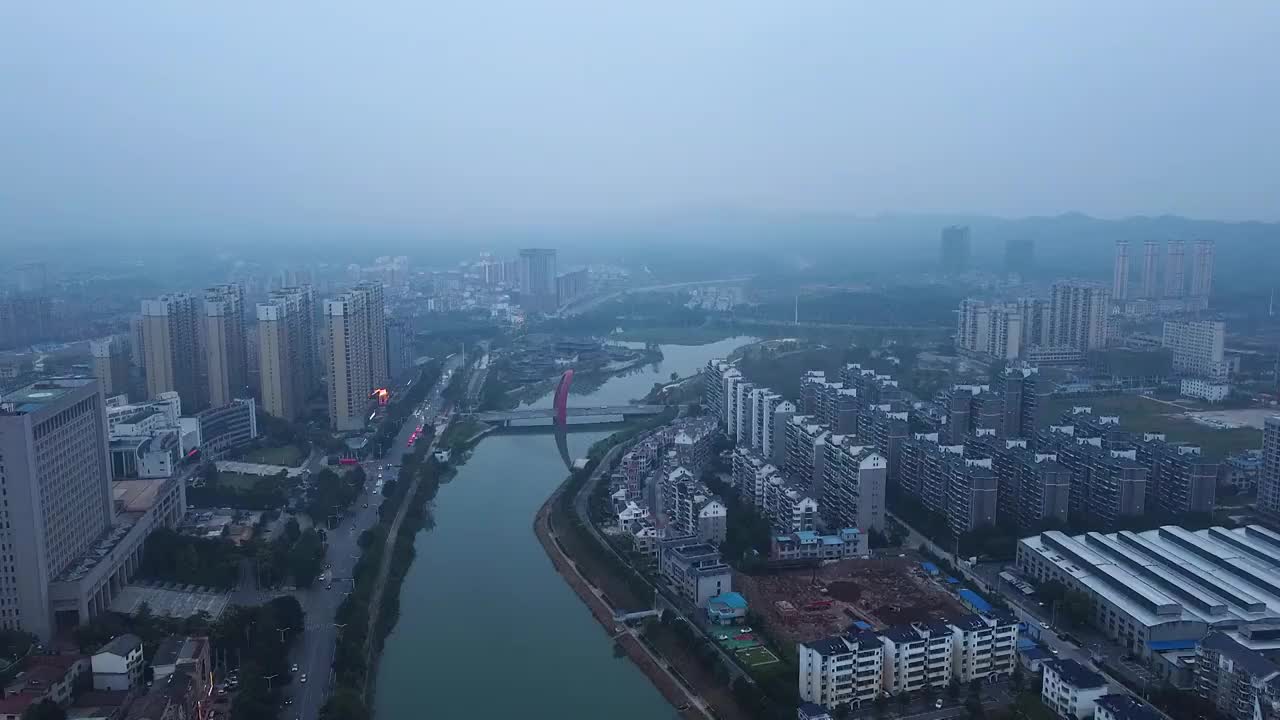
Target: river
{"type": "Point", "coordinates": [487, 627]}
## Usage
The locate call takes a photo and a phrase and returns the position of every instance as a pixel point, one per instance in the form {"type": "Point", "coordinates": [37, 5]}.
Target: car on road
{"type": "Point", "coordinates": [304, 678]}
{"type": "Point", "coordinates": [288, 701]}
{"type": "Point", "coordinates": [937, 704]}
{"type": "Point", "coordinates": [366, 504]}
{"type": "Point", "coordinates": [293, 668]}
{"type": "Point", "coordinates": [328, 586]}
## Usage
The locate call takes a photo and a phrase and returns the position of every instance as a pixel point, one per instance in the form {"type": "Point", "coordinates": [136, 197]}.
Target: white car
{"type": "Point", "coordinates": [304, 677]}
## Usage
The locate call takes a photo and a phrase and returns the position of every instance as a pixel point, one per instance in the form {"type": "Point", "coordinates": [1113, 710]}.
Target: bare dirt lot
{"type": "Point", "coordinates": [879, 592]}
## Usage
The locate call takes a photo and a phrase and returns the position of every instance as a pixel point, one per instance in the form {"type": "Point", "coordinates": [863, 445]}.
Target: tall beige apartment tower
{"type": "Point", "coordinates": [171, 349]}
{"type": "Point", "coordinates": [350, 382]}
{"type": "Point", "coordinates": [286, 351]}
{"type": "Point", "coordinates": [111, 364]}
{"type": "Point", "coordinates": [224, 344]}
{"type": "Point", "coordinates": [376, 320]}
{"type": "Point", "coordinates": [1078, 315]}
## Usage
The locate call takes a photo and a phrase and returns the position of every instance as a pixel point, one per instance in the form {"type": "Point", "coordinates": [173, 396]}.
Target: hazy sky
{"type": "Point", "coordinates": [162, 116]}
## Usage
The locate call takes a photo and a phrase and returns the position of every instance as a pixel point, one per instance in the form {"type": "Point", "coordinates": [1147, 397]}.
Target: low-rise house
{"type": "Point", "coordinates": [727, 609]}
{"type": "Point", "coordinates": [809, 545]}
{"type": "Point", "coordinates": [118, 664]}
{"type": "Point", "coordinates": [713, 521]}
{"type": "Point", "coordinates": [1071, 690]}
{"type": "Point", "coordinates": [49, 677]}
{"type": "Point", "coordinates": [183, 653]}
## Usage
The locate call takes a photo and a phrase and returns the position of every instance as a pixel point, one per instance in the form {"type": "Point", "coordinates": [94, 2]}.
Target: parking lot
{"type": "Point", "coordinates": [171, 600]}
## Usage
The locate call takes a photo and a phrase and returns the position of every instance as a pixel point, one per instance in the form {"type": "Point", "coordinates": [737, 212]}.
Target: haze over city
{"type": "Point", "coordinates": [643, 361]}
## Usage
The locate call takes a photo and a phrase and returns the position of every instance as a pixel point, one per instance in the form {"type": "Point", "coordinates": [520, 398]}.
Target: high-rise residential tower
{"type": "Point", "coordinates": [357, 338]}
{"type": "Point", "coordinates": [56, 477]}
{"type": "Point", "coordinates": [224, 344]}
{"type": "Point", "coordinates": [1269, 480]}
{"type": "Point", "coordinates": [1202, 269]}
{"type": "Point", "coordinates": [111, 364]}
{"type": "Point", "coordinates": [1078, 315]}
{"type": "Point", "coordinates": [955, 249]}
{"type": "Point", "coordinates": [1150, 263]}
{"type": "Point", "coordinates": [279, 364]}
{"type": "Point", "coordinates": [1120, 277]}
{"type": "Point", "coordinates": [538, 279]}
{"type": "Point", "coordinates": [1175, 265]}
{"type": "Point", "coordinates": [171, 349]}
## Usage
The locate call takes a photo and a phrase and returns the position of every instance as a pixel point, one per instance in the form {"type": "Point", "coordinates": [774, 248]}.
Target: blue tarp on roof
{"type": "Point", "coordinates": [861, 625]}
{"type": "Point", "coordinates": [1025, 642]}
{"type": "Point", "coordinates": [1163, 645]}
{"type": "Point", "coordinates": [929, 568]}
{"type": "Point", "coordinates": [731, 599]}
{"type": "Point", "coordinates": [974, 600]}
{"type": "Point", "coordinates": [953, 581]}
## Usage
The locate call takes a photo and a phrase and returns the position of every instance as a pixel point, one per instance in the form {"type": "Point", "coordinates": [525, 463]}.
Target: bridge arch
{"type": "Point", "coordinates": [561, 404]}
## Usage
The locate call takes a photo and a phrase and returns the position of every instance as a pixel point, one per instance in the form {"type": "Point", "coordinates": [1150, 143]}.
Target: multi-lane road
{"type": "Point", "coordinates": [313, 651]}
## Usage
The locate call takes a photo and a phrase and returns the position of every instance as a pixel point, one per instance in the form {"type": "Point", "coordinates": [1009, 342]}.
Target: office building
{"type": "Point", "coordinates": [1071, 690]}
{"type": "Point", "coordinates": [226, 365]}
{"type": "Point", "coordinates": [1078, 315]}
{"type": "Point", "coordinates": [1197, 347]}
{"type": "Point", "coordinates": [538, 280]}
{"type": "Point", "coordinates": [111, 364]}
{"type": "Point", "coordinates": [1269, 476]}
{"type": "Point", "coordinates": [171, 349]}
{"type": "Point", "coordinates": [955, 249]}
{"type": "Point", "coordinates": [1150, 263]}
{"type": "Point", "coordinates": [57, 483]}
{"type": "Point", "coordinates": [226, 428]}
{"type": "Point", "coordinates": [1120, 276]}
{"type": "Point", "coordinates": [1155, 589]}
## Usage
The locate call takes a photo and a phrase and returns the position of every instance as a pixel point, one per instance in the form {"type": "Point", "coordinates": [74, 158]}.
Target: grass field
{"type": "Point", "coordinates": [287, 455]}
{"type": "Point", "coordinates": [1142, 414]}
{"type": "Point", "coordinates": [757, 656]}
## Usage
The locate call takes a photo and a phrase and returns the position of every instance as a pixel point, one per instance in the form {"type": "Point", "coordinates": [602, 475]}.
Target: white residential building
{"type": "Point", "coordinates": [118, 665]}
{"type": "Point", "coordinates": [1207, 390]}
{"type": "Point", "coordinates": [916, 656]}
{"type": "Point", "coordinates": [1071, 690]}
{"type": "Point", "coordinates": [983, 646]}
{"type": "Point", "coordinates": [990, 329]}
{"type": "Point", "coordinates": [1197, 347]}
{"type": "Point", "coordinates": [841, 670]}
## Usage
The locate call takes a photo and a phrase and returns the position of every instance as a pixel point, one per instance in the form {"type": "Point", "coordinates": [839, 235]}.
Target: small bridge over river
{"type": "Point", "coordinates": [582, 415]}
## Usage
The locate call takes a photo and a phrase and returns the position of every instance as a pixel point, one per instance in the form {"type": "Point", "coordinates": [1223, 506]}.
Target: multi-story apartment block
{"type": "Point", "coordinates": [1236, 679]}
{"type": "Point", "coordinates": [1269, 476]}
{"type": "Point", "coordinates": [1034, 490]}
{"type": "Point", "coordinates": [764, 403]}
{"type": "Point", "coordinates": [1078, 315]}
{"type": "Point", "coordinates": [225, 362]}
{"type": "Point", "coordinates": [804, 441]}
{"type": "Point", "coordinates": [810, 382]}
{"type": "Point", "coordinates": [732, 378]}
{"type": "Point", "coordinates": [537, 273]}
{"type": "Point", "coordinates": [1179, 480]}
{"type": "Point", "coordinates": [171, 349]}
{"type": "Point", "coordinates": [356, 329]}
{"type": "Point", "coordinates": [787, 506]}
{"type": "Point", "coordinates": [1070, 689]}
{"type": "Point", "coordinates": [990, 329]}
{"type": "Point", "coordinates": [1197, 347]}
{"type": "Point", "coordinates": [852, 492]}
{"type": "Point", "coordinates": [712, 520]}
{"type": "Point", "coordinates": [917, 656]}
{"type": "Point", "coordinates": [713, 387]}
{"type": "Point", "coordinates": [886, 427]}
{"type": "Point", "coordinates": [844, 544]}
{"type": "Point", "coordinates": [1107, 484]}
{"type": "Point", "coordinates": [744, 428]}
{"type": "Point", "coordinates": [776, 438]}
{"type": "Point", "coordinates": [971, 494]}
{"type": "Point", "coordinates": [842, 670]}
{"type": "Point", "coordinates": [1026, 401]}
{"type": "Point", "coordinates": [983, 646]}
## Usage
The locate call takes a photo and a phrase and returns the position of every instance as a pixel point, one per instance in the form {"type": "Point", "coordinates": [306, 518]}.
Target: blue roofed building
{"type": "Point", "coordinates": [727, 608]}
{"type": "Point", "coordinates": [974, 601]}
{"type": "Point", "coordinates": [809, 545]}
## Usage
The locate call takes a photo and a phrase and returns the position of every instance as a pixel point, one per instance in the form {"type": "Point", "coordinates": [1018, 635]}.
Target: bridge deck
{"type": "Point", "coordinates": [535, 413]}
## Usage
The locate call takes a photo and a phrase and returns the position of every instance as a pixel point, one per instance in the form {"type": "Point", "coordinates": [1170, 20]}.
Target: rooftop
{"type": "Point", "coordinates": [1075, 674]}
{"type": "Point", "coordinates": [1128, 707]}
{"type": "Point", "coordinates": [38, 394]}
{"type": "Point", "coordinates": [122, 645]}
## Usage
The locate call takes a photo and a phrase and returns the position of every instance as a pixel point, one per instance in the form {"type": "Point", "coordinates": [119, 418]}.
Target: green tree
{"type": "Point", "coordinates": [44, 710]}
{"type": "Point", "coordinates": [953, 689]}
{"type": "Point", "coordinates": [344, 704]}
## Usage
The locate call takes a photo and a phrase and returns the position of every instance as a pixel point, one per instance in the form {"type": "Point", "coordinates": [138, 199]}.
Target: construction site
{"type": "Point", "coordinates": [807, 604]}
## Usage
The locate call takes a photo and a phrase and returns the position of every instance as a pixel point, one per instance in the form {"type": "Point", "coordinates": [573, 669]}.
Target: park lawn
{"type": "Point", "coordinates": [1142, 414]}
{"type": "Point", "coordinates": [287, 455]}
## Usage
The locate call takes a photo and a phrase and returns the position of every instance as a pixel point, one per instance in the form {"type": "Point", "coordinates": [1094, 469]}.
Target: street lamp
{"type": "Point", "coordinates": [282, 631]}
{"type": "Point", "coordinates": [269, 678]}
